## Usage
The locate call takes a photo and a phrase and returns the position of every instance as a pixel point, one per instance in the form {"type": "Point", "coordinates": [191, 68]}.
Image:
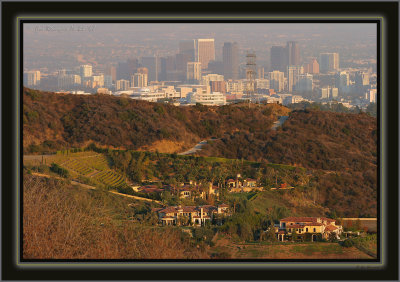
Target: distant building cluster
{"type": "Point", "coordinates": [194, 75]}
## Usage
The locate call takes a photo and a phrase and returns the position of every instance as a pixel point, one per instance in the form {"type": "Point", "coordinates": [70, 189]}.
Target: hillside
{"type": "Point", "coordinates": [340, 148]}
{"type": "Point", "coordinates": [62, 221]}
{"type": "Point", "coordinates": [58, 121]}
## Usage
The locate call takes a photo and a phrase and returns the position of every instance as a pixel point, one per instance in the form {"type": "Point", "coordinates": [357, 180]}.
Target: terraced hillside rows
{"type": "Point", "coordinates": [91, 165]}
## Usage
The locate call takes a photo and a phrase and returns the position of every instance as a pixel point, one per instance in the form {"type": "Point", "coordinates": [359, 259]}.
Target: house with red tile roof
{"type": "Point", "coordinates": [307, 227]}
{"type": "Point", "coordinates": [190, 215]}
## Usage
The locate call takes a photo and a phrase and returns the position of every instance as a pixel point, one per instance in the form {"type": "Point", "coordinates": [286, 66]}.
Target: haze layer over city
{"type": "Point", "coordinates": [61, 49]}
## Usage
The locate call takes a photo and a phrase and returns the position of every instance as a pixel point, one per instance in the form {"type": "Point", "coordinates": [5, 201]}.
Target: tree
{"type": "Point", "coordinates": [294, 235]}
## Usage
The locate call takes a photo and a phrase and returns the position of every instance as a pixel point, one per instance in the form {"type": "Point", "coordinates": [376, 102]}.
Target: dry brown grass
{"type": "Point", "coordinates": [60, 222]}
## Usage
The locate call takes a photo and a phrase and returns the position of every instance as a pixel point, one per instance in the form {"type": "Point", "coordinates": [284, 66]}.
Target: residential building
{"type": "Point", "coordinates": [329, 92]}
{"type": "Point", "coordinates": [139, 80]}
{"type": "Point", "coordinates": [122, 84]}
{"type": "Point", "coordinates": [85, 71]}
{"type": "Point", "coordinates": [293, 73]}
{"type": "Point", "coordinates": [230, 60]}
{"type": "Point", "coordinates": [277, 80]}
{"type": "Point", "coordinates": [307, 228]}
{"type": "Point", "coordinates": [190, 215]}
{"type": "Point", "coordinates": [370, 95]}
{"type": "Point", "coordinates": [193, 73]}
{"type": "Point", "coordinates": [304, 83]}
{"type": "Point", "coordinates": [147, 94]}
{"type": "Point", "coordinates": [218, 86]}
{"type": "Point", "coordinates": [32, 78]}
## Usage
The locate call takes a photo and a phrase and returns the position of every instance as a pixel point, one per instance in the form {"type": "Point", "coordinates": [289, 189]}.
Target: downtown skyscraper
{"type": "Point", "coordinates": [205, 51]}
{"type": "Point", "coordinates": [230, 60]}
{"type": "Point", "coordinates": [293, 53]}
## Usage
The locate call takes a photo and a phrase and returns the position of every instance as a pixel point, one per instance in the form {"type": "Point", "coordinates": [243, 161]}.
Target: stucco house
{"type": "Point", "coordinates": [306, 228]}
{"type": "Point", "coordinates": [184, 215]}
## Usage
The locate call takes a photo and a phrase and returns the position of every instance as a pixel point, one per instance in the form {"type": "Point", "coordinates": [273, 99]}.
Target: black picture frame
{"type": "Point", "coordinates": [13, 12]}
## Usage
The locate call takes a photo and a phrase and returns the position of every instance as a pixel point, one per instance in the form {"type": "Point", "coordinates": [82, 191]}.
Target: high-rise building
{"type": "Point", "coordinates": [168, 65]}
{"type": "Point", "coordinates": [139, 80]}
{"type": "Point", "coordinates": [153, 65]}
{"type": "Point", "coordinates": [206, 79]}
{"type": "Point", "coordinates": [293, 73]}
{"type": "Point", "coordinates": [278, 58]}
{"type": "Point", "coordinates": [98, 80]}
{"type": "Point", "coordinates": [32, 78]}
{"type": "Point", "coordinates": [304, 83]}
{"type": "Point", "coordinates": [111, 71]}
{"type": "Point", "coordinates": [329, 92]}
{"type": "Point", "coordinates": [122, 84]}
{"type": "Point", "coordinates": [126, 69]}
{"type": "Point", "coordinates": [230, 60]}
{"type": "Point", "coordinates": [361, 78]}
{"type": "Point", "coordinates": [108, 81]}
{"type": "Point", "coordinates": [188, 47]}
{"type": "Point", "coordinates": [312, 67]}
{"type": "Point", "coordinates": [342, 81]}
{"type": "Point", "coordinates": [205, 51]}
{"type": "Point", "coordinates": [277, 80]}
{"type": "Point", "coordinates": [218, 86]}
{"type": "Point", "coordinates": [193, 73]}
{"type": "Point", "coordinates": [370, 95]}
{"type": "Point", "coordinates": [85, 71]}
{"type": "Point", "coordinates": [328, 62]}
{"type": "Point", "coordinates": [260, 73]}
{"type": "Point", "coordinates": [293, 53]}
{"type": "Point", "coordinates": [216, 67]}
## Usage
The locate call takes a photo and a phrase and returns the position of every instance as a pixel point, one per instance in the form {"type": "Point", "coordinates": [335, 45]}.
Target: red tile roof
{"type": "Point", "coordinates": [299, 219]}
{"type": "Point", "coordinates": [330, 228]}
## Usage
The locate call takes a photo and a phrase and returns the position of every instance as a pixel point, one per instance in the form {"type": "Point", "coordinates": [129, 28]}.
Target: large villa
{"type": "Point", "coordinates": [307, 228]}
{"type": "Point", "coordinates": [190, 215]}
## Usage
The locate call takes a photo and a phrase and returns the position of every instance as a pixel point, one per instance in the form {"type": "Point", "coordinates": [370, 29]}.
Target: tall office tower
{"type": "Point", "coordinates": [188, 47]}
{"type": "Point", "coordinates": [329, 92]}
{"type": "Point", "coordinates": [205, 51]}
{"type": "Point", "coordinates": [122, 84]}
{"type": "Point", "coordinates": [85, 71]}
{"type": "Point", "coordinates": [98, 80]}
{"type": "Point", "coordinates": [370, 95]}
{"type": "Point", "coordinates": [328, 62]}
{"type": "Point", "coordinates": [230, 60]}
{"type": "Point", "coordinates": [278, 58]}
{"type": "Point", "coordinates": [139, 80]}
{"type": "Point", "coordinates": [68, 81]}
{"type": "Point", "coordinates": [111, 71]}
{"type": "Point", "coordinates": [108, 81]}
{"type": "Point", "coordinates": [312, 67]}
{"type": "Point", "coordinates": [361, 78]}
{"type": "Point", "coordinates": [31, 78]}
{"type": "Point", "coordinates": [126, 69]}
{"type": "Point", "coordinates": [304, 83]}
{"type": "Point", "coordinates": [277, 80]}
{"type": "Point", "coordinates": [260, 73]}
{"type": "Point", "coordinates": [342, 81]}
{"type": "Point", "coordinates": [193, 73]}
{"type": "Point", "coordinates": [218, 86]}
{"type": "Point", "coordinates": [293, 73]}
{"type": "Point", "coordinates": [153, 65]}
{"type": "Point", "coordinates": [293, 53]}
{"type": "Point", "coordinates": [216, 67]}
{"type": "Point", "coordinates": [167, 66]}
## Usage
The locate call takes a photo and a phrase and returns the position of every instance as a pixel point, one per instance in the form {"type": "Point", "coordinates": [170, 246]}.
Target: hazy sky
{"type": "Point", "coordinates": [66, 43]}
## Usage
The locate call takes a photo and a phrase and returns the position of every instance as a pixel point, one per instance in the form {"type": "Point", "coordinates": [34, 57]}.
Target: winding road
{"type": "Point", "coordinates": [200, 145]}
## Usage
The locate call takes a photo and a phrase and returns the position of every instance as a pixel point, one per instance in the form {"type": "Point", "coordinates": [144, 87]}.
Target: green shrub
{"type": "Point", "coordinates": [348, 243]}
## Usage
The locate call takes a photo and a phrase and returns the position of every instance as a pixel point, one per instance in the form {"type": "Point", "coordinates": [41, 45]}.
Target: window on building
{"type": "Point", "coordinates": [306, 229]}
{"type": "Point", "coordinates": [314, 230]}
